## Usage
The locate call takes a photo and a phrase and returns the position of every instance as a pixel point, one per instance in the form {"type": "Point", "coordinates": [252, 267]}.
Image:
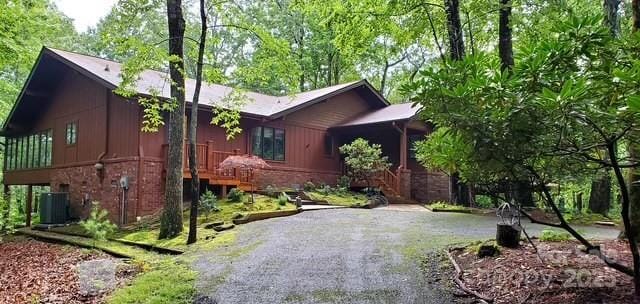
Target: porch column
{"type": "Point", "coordinates": [403, 147]}
{"type": "Point", "coordinates": [28, 205]}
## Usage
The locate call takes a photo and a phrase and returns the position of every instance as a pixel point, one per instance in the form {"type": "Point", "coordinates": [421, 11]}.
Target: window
{"type": "Point", "coordinates": [29, 152]}
{"type": "Point", "coordinates": [268, 143]}
{"type": "Point", "coordinates": [72, 133]}
{"type": "Point", "coordinates": [328, 145]}
{"type": "Point", "coordinates": [412, 140]}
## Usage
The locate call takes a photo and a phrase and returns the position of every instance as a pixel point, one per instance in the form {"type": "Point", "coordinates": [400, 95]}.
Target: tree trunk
{"type": "Point", "coordinates": [579, 203]}
{"type": "Point", "coordinates": [505, 45]}
{"type": "Point", "coordinates": [634, 148]}
{"type": "Point", "coordinates": [611, 16]}
{"type": "Point", "coordinates": [600, 197]}
{"type": "Point", "coordinates": [193, 128]}
{"type": "Point", "coordinates": [523, 194]}
{"type": "Point", "coordinates": [454, 29]}
{"type": "Point", "coordinates": [171, 220]}
{"type": "Point", "coordinates": [633, 210]}
{"type": "Point", "coordinates": [456, 52]}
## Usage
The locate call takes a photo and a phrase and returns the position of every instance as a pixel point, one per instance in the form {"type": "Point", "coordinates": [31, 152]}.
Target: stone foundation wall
{"type": "Point", "coordinates": [429, 187]}
{"type": "Point", "coordinates": [289, 178]}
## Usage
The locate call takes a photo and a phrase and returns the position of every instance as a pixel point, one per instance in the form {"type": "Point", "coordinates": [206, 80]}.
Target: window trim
{"type": "Point", "coordinates": [30, 152]}
{"type": "Point", "coordinates": [274, 131]}
{"type": "Point", "coordinates": [332, 153]}
{"type": "Point", "coordinates": [74, 133]}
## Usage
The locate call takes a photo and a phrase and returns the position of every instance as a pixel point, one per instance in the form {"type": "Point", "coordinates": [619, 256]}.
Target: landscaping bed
{"type": "Point", "coordinates": [39, 272]}
{"type": "Point", "coordinates": [338, 198]}
{"type": "Point", "coordinates": [145, 234]}
{"type": "Point", "coordinates": [442, 207]}
{"type": "Point", "coordinates": [565, 275]}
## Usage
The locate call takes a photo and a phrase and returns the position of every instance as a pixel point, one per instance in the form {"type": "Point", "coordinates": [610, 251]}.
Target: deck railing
{"type": "Point", "coordinates": [209, 163]}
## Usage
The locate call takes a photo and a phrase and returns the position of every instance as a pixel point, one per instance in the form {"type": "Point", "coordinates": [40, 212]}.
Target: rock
{"type": "Point", "coordinates": [210, 237]}
{"type": "Point", "coordinates": [488, 250]}
{"type": "Point", "coordinates": [213, 224]}
{"type": "Point", "coordinates": [96, 276]}
{"type": "Point", "coordinates": [237, 216]}
{"type": "Point", "coordinates": [224, 227]}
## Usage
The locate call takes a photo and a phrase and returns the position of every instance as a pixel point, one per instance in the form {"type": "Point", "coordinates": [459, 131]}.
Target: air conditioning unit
{"type": "Point", "coordinates": [54, 207]}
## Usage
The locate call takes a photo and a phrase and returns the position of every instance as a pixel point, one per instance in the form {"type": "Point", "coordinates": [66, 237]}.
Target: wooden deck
{"type": "Point", "coordinates": [209, 167]}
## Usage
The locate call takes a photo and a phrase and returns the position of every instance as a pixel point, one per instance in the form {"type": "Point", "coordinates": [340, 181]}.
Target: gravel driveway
{"type": "Point", "coordinates": [343, 256]}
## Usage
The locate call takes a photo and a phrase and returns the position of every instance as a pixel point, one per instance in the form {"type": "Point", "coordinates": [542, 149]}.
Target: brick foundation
{"type": "Point", "coordinates": [86, 186]}
{"type": "Point", "coordinates": [290, 178]}
{"type": "Point", "coordinates": [429, 186]}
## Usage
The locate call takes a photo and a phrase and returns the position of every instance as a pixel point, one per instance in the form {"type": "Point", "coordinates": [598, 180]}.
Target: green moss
{"type": "Point", "coordinates": [441, 206]}
{"type": "Point", "coordinates": [588, 218]}
{"type": "Point", "coordinates": [339, 198]}
{"type": "Point", "coordinates": [549, 235]}
{"type": "Point", "coordinates": [168, 282]}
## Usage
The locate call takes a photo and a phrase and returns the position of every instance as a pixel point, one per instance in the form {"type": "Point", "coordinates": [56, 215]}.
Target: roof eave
{"type": "Point", "coordinates": [329, 95]}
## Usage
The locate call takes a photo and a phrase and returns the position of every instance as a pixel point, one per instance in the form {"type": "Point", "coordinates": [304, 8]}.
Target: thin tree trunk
{"type": "Point", "coordinates": [454, 28]}
{"type": "Point", "coordinates": [171, 220]}
{"type": "Point", "coordinates": [632, 210]}
{"type": "Point", "coordinates": [611, 16]}
{"type": "Point", "coordinates": [435, 36]}
{"type": "Point", "coordinates": [471, 42]}
{"type": "Point", "coordinates": [629, 227]}
{"type": "Point", "coordinates": [505, 45]}
{"type": "Point", "coordinates": [193, 128]}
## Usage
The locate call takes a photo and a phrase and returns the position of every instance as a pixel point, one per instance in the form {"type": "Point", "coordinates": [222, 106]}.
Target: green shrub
{"type": "Point", "coordinates": [309, 186]}
{"type": "Point", "coordinates": [282, 199]}
{"type": "Point", "coordinates": [270, 191]}
{"type": "Point", "coordinates": [8, 219]}
{"type": "Point", "coordinates": [98, 225]}
{"type": "Point", "coordinates": [235, 195]}
{"type": "Point", "coordinates": [325, 190]}
{"type": "Point", "coordinates": [344, 182]}
{"type": "Point", "coordinates": [484, 202]}
{"type": "Point", "coordinates": [549, 235]}
{"type": "Point", "coordinates": [208, 203]}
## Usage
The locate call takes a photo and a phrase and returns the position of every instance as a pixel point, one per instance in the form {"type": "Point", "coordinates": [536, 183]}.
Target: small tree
{"type": "Point", "coordinates": [364, 160]}
{"type": "Point", "coordinates": [98, 224]}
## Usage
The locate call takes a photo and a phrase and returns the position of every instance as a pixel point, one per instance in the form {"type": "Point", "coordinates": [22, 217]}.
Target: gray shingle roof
{"type": "Point", "coordinates": [211, 94]}
{"type": "Point", "coordinates": [394, 112]}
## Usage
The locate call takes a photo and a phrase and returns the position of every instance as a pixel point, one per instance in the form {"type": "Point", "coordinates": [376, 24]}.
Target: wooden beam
{"type": "Point", "coordinates": [29, 204]}
{"type": "Point", "coordinates": [403, 147]}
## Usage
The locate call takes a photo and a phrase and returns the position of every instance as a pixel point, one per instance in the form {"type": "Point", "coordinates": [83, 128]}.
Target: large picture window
{"type": "Point", "coordinates": [29, 152]}
{"type": "Point", "coordinates": [268, 143]}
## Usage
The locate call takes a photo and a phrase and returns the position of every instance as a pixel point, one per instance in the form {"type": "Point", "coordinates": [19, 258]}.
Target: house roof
{"type": "Point", "coordinates": [394, 112]}
{"type": "Point", "coordinates": [211, 94]}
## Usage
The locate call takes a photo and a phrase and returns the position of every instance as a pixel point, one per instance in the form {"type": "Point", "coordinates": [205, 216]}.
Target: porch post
{"type": "Point", "coordinates": [403, 147]}
{"type": "Point", "coordinates": [7, 197]}
{"type": "Point", "coordinates": [28, 205]}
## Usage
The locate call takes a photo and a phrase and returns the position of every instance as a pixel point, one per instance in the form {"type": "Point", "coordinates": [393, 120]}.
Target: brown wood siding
{"type": "Point", "coordinates": [79, 100]}
{"type": "Point", "coordinates": [304, 147]}
{"type": "Point", "coordinates": [124, 127]}
{"type": "Point", "coordinates": [329, 113]}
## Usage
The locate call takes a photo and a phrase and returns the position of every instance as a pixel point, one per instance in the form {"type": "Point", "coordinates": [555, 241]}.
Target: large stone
{"type": "Point", "coordinates": [224, 227]}
{"type": "Point", "coordinates": [213, 224]}
{"type": "Point", "coordinates": [96, 276]}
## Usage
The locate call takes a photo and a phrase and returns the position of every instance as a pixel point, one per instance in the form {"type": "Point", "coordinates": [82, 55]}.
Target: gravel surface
{"type": "Point", "coordinates": [344, 256]}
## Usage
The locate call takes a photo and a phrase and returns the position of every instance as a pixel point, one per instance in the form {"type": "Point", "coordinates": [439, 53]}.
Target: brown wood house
{"type": "Point", "coordinates": [68, 130]}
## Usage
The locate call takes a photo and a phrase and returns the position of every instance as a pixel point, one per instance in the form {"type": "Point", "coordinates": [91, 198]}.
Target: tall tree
{"type": "Point", "coordinates": [193, 128]}
{"type": "Point", "coordinates": [600, 196]}
{"type": "Point", "coordinates": [171, 220]}
{"type": "Point", "coordinates": [459, 191]}
{"type": "Point", "coordinates": [634, 149]}
{"type": "Point", "coordinates": [505, 41]}
{"type": "Point", "coordinates": [454, 29]}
